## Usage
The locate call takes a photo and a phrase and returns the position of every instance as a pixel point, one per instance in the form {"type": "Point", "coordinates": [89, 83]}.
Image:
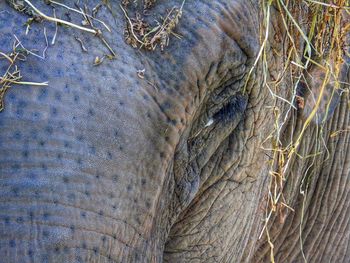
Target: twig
{"type": "Point", "coordinates": [57, 20]}
{"type": "Point", "coordinates": [56, 29]}
{"type": "Point", "coordinates": [82, 13]}
{"type": "Point", "coordinates": [131, 25]}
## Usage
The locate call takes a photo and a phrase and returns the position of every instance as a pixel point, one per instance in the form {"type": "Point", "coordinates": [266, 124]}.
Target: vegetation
{"type": "Point", "coordinates": [322, 28]}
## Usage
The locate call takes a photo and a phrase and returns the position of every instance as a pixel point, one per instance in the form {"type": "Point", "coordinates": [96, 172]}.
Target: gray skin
{"type": "Point", "coordinates": [102, 166]}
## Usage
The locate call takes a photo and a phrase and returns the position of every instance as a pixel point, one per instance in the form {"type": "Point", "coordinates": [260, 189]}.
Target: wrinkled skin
{"type": "Point", "coordinates": [102, 166]}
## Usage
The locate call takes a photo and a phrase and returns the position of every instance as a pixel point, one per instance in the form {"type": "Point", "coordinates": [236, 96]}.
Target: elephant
{"type": "Point", "coordinates": [167, 155]}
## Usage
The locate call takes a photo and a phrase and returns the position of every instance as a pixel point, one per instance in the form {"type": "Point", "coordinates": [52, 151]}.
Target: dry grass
{"type": "Point", "coordinates": [140, 34]}
{"type": "Point", "coordinates": [323, 32]}
{"type": "Point", "coordinates": [12, 74]}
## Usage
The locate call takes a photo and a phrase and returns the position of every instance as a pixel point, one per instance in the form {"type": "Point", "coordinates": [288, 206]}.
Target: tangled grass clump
{"type": "Point", "coordinates": [140, 34]}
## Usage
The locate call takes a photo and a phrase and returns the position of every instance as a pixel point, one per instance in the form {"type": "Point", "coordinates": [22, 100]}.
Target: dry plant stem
{"type": "Point", "coordinates": [328, 5]}
{"type": "Point", "coordinates": [13, 77]}
{"type": "Point", "coordinates": [130, 25]}
{"type": "Point", "coordinates": [326, 32]}
{"type": "Point", "coordinates": [56, 29]}
{"type": "Point", "coordinates": [57, 20]}
{"type": "Point", "coordinates": [80, 12]}
{"type": "Point", "coordinates": [267, 24]}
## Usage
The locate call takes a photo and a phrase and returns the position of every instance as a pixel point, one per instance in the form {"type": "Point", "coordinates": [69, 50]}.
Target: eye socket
{"type": "Point", "coordinates": [223, 103]}
{"type": "Point", "coordinates": [220, 118]}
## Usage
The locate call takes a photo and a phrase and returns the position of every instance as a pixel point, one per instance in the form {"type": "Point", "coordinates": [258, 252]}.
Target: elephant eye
{"type": "Point", "coordinates": [220, 114]}
{"type": "Point", "coordinates": [224, 103]}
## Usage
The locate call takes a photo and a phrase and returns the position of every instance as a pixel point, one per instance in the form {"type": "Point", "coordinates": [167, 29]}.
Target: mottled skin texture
{"type": "Point", "coordinates": [102, 166]}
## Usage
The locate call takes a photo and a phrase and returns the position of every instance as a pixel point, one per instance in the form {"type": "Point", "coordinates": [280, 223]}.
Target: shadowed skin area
{"type": "Point", "coordinates": [104, 166]}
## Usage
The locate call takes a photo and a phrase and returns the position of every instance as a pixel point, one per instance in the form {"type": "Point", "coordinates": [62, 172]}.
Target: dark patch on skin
{"type": "Point", "coordinates": [71, 197]}
{"type": "Point", "coordinates": [91, 112]}
{"type": "Point", "coordinates": [25, 154]}
{"type": "Point", "coordinates": [92, 150]}
{"type": "Point", "coordinates": [15, 190]}
{"type": "Point", "coordinates": [45, 258]}
{"type": "Point", "coordinates": [36, 115]}
{"type": "Point", "coordinates": [53, 111]}
{"type": "Point", "coordinates": [17, 135]}
{"type": "Point", "coordinates": [30, 253]}
{"type": "Point", "coordinates": [49, 129]}
{"type": "Point", "coordinates": [115, 178]}
{"type": "Point", "coordinates": [7, 220]}
{"type": "Point", "coordinates": [65, 249]}
{"type": "Point", "coordinates": [67, 145]}
{"type": "Point", "coordinates": [31, 215]}
{"type": "Point", "coordinates": [34, 134]}
{"type": "Point", "coordinates": [58, 96]}
{"type": "Point", "coordinates": [44, 167]}
{"type": "Point", "coordinates": [31, 176]}
{"type": "Point", "coordinates": [76, 98]}
{"type": "Point", "coordinates": [43, 94]}
{"type": "Point", "coordinates": [12, 243]}
{"type": "Point", "coordinates": [46, 233]}
{"type": "Point", "coordinates": [172, 122]}
{"type": "Point", "coordinates": [138, 220]}
{"type": "Point", "coordinates": [15, 166]}
{"type": "Point", "coordinates": [46, 216]}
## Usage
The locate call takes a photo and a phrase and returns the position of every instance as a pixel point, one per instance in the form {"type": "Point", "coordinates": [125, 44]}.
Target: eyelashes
{"type": "Point", "coordinates": [234, 107]}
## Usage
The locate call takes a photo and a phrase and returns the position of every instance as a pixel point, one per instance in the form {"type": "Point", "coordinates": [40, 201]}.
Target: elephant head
{"type": "Point", "coordinates": [159, 156]}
